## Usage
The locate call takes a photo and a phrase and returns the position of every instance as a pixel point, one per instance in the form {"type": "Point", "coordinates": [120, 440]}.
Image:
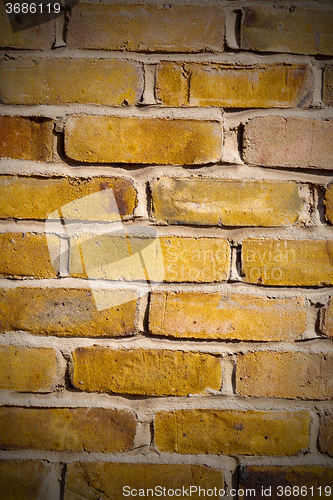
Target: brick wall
{"type": "Point", "coordinates": [184, 150]}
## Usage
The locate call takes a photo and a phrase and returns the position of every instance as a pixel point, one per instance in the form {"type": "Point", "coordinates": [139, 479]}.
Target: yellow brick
{"type": "Point", "coordinates": [285, 375]}
{"type": "Point", "coordinates": [288, 262]}
{"type": "Point", "coordinates": [121, 139]}
{"type": "Point", "coordinates": [27, 254]}
{"type": "Point", "coordinates": [22, 479]}
{"type": "Point", "coordinates": [84, 478]}
{"type": "Point", "coordinates": [38, 198]}
{"type": "Point", "coordinates": [326, 319]}
{"type": "Point", "coordinates": [146, 28]}
{"type": "Point", "coordinates": [68, 312]}
{"type": "Point", "coordinates": [328, 86]}
{"type": "Point", "coordinates": [329, 204]}
{"type": "Point", "coordinates": [226, 203]}
{"type": "Point", "coordinates": [27, 369]}
{"type": "Point", "coordinates": [326, 433]}
{"type": "Point", "coordinates": [231, 86]}
{"type": "Point", "coordinates": [26, 138]}
{"type": "Point", "coordinates": [42, 80]}
{"type": "Point", "coordinates": [288, 142]}
{"type": "Point", "coordinates": [228, 432]}
{"type": "Point", "coordinates": [312, 478]}
{"type": "Point", "coordinates": [271, 28]}
{"type": "Point", "coordinates": [221, 316]}
{"type": "Point", "coordinates": [170, 259]}
{"type": "Point", "coordinates": [67, 429]}
{"type": "Point", "coordinates": [145, 371]}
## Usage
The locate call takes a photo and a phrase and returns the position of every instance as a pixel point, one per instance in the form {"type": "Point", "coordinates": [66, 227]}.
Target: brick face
{"type": "Point", "coordinates": [217, 202]}
{"type": "Point", "coordinates": [329, 204]}
{"type": "Point", "coordinates": [326, 433]}
{"type": "Point", "coordinates": [147, 28]}
{"type": "Point", "coordinates": [120, 139]}
{"type": "Point", "coordinates": [232, 86]}
{"type": "Point", "coordinates": [145, 371]}
{"type": "Point", "coordinates": [225, 316]}
{"type": "Point", "coordinates": [326, 319]}
{"type": "Point", "coordinates": [67, 429]}
{"type": "Point", "coordinates": [288, 142]}
{"type": "Point", "coordinates": [232, 432]}
{"type": "Point", "coordinates": [328, 86]}
{"type": "Point", "coordinates": [21, 479]}
{"type": "Point", "coordinates": [67, 80]}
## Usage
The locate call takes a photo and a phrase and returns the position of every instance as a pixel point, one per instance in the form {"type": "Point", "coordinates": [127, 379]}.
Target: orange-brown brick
{"type": "Point", "coordinates": [121, 139]}
{"type": "Point", "coordinates": [147, 28]}
{"type": "Point", "coordinates": [145, 371]}
{"type": "Point", "coordinates": [20, 479]}
{"type": "Point", "coordinates": [329, 204]}
{"type": "Point", "coordinates": [84, 478]}
{"type": "Point", "coordinates": [205, 201]}
{"type": "Point", "coordinates": [211, 84]}
{"type": "Point", "coordinates": [328, 86]}
{"type": "Point", "coordinates": [68, 312]}
{"type": "Point", "coordinates": [285, 375]}
{"type": "Point", "coordinates": [27, 369]}
{"type": "Point", "coordinates": [326, 433]}
{"type": "Point", "coordinates": [224, 432]}
{"type": "Point", "coordinates": [170, 259]}
{"type": "Point", "coordinates": [37, 198]}
{"type": "Point", "coordinates": [271, 28]}
{"type": "Point", "coordinates": [326, 319]}
{"type": "Point", "coordinates": [26, 138]}
{"type": "Point", "coordinates": [67, 429]}
{"type": "Point", "coordinates": [27, 254]}
{"type": "Point", "coordinates": [288, 262]}
{"type": "Point", "coordinates": [66, 80]}
{"type": "Point", "coordinates": [234, 316]}
{"type": "Point", "coordinates": [313, 479]}
{"type": "Point", "coordinates": [288, 142]}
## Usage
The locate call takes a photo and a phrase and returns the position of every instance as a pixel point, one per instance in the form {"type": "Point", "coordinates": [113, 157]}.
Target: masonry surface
{"type": "Point", "coordinates": [166, 249]}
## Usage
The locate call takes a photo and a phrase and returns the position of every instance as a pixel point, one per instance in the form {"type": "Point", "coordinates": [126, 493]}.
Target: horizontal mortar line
{"type": "Point", "coordinates": [233, 118]}
{"type": "Point", "coordinates": [307, 459]}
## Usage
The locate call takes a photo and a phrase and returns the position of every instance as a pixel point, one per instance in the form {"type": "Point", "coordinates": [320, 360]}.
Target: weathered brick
{"type": "Point", "coordinates": [326, 319]}
{"type": "Point", "coordinates": [121, 139]}
{"type": "Point", "coordinates": [220, 432]}
{"type": "Point", "coordinates": [68, 312]}
{"type": "Point", "coordinates": [234, 86]}
{"type": "Point", "coordinates": [19, 33]}
{"type": "Point", "coordinates": [274, 141]}
{"type": "Point", "coordinates": [285, 375]}
{"type": "Point", "coordinates": [170, 259]}
{"type": "Point", "coordinates": [288, 262]}
{"type": "Point", "coordinates": [205, 201]}
{"type": "Point", "coordinates": [145, 371]}
{"type": "Point", "coordinates": [326, 433]}
{"type": "Point", "coordinates": [67, 429]}
{"type": "Point", "coordinates": [42, 80]}
{"type": "Point", "coordinates": [27, 254]}
{"type": "Point", "coordinates": [328, 86]}
{"type": "Point", "coordinates": [223, 316]}
{"type": "Point", "coordinates": [26, 138]}
{"type": "Point", "coordinates": [270, 28]}
{"type": "Point", "coordinates": [329, 204]}
{"type": "Point", "coordinates": [37, 198]}
{"type": "Point", "coordinates": [308, 477]}
{"type": "Point", "coordinates": [146, 28]}
{"type": "Point", "coordinates": [22, 479]}
{"type": "Point", "coordinates": [83, 479]}
{"type": "Point", "coordinates": [16, 373]}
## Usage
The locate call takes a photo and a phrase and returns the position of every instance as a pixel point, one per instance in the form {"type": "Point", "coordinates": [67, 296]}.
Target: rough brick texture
{"type": "Point", "coordinates": [20, 479]}
{"type": "Point", "coordinates": [226, 316]}
{"type": "Point", "coordinates": [328, 86]}
{"type": "Point", "coordinates": [147, 28]}
{"type": "Point", "coordinates": [288, 142]}
{"type": "Point", "coordinates": [288, 262]}
{"type": "Point", "coordinates": [329, 204]}
{"type": "Point", "coordinates": [285, 375]}
{"type": "Point", "coordinates": [326, 319]}
{"type": "Point", "coordinates": [231, 86]}
{"type": "Point", "coordinates": [38, 198]}
{"type": "Point", "coordinates": [26, 138]}
{"type": "Point", "coordinates": [120, 139]}
{"type": "Point", "coordinates": [295, 29]}
{"type": "Point", "coordinates": [16, 373]}
{"type": "Point", "coordinates": [326, 433]}
{"type": "Point", "coordinates": [225, 202]}
{"type": "Point", "coordinates": [83, 479]}
{"type": "Point", "coordinates": [68, 312]}
{"type": "Point", "coordinates": [232, 432]}
{"type": "Point", "coordinates": [67, 429]}
{"type": "Point", "coordinates": [145, 371]}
